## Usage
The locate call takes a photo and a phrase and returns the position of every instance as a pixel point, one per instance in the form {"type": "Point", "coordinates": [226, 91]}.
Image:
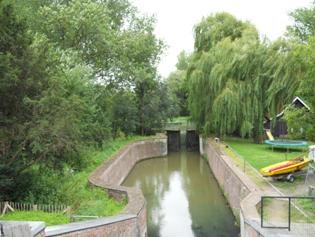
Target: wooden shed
{"type": "Point", "coordinates": [280, 127]}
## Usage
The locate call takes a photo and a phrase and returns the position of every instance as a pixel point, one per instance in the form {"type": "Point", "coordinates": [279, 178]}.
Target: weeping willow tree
{"type": "Point", "coordinates": [235, 79]}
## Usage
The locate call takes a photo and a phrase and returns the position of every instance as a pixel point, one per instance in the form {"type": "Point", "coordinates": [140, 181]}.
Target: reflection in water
{"type": "Point", "coordinates": [183, 198]}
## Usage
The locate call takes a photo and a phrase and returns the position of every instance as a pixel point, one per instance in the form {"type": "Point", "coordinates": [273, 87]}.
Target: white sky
{"type": "Point", "coordinates": [176, 18]}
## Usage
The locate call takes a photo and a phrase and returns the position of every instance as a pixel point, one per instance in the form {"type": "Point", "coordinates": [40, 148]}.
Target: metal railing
{"type": "Point", "coordinates": [288, 212]}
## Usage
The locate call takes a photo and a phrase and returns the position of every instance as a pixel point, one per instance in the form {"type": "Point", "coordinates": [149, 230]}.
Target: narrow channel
{"type": "Point", "coordinates": [183, 197]}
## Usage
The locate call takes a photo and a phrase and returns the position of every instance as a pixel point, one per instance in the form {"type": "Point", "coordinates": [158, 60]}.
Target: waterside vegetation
{"type": "Point", "coordinates": [74, 76]}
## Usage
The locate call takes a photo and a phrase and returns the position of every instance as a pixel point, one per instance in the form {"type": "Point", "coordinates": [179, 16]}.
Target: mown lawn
{"type": "Point", "coordinates": [48, 218]}
{"type": "Point", "coordinates": [83, 199]}
{"type": "Point", "coordinates": [260, 155]}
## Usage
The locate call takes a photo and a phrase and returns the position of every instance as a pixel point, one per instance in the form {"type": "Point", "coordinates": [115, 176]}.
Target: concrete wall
{"type": "Point", "coordinates": [22, 228]}
{"type": "Point", "coordinates": [110, 175]}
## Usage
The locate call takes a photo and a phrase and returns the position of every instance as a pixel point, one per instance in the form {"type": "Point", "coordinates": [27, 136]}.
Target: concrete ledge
{"type": "Point", "coordinates": [82, 225]}
{"type": "Point", "coordinates": [35, 228]}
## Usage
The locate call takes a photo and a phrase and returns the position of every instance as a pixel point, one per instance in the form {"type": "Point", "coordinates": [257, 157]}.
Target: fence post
{"type": "Point", "coordinates": [289, 224]}
{"type": "Point", "coordinates": [6, 206]}
{"type": "Point", "coordinates": [67, 211]}
{"type": "Point", "coordinates": [262, 212]}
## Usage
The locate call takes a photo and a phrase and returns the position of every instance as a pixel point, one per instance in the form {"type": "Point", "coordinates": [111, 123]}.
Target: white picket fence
{"type": "Point", "coordinates": [50, 208]}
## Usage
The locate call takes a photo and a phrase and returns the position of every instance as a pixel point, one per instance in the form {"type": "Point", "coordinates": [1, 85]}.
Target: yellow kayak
{"type": "Point", "coordinates": [285, 167]}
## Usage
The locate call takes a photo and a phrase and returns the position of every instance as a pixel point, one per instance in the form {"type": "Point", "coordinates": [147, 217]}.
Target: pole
{"type": "Point", "coordinates": [289, 217]}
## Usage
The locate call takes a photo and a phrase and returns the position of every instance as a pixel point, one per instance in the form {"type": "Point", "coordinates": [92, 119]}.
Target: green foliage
{"type": "Point", "coordinates": [69, 82]}
{"type": "Point", "coordinates": [23, 77]}
{"type": "Point", "coordinates": [235, 80]}
{"type": "Point", "coordinates": [304, 23]}
{"type": "Point", "coordinates": [48, 218]}
{"type": "Point", "coordinates": [71, 186]}
{"type": "Point", "coordinates": [215, 28]}
{"type": "Point", "coordinates": [124, 112]}
{"type": "Point", "coordinates": [177, 84]}
{"type": "Point", "coordinates": [301, 123]}
{"type": "Point", "coordinates": [115, 44]}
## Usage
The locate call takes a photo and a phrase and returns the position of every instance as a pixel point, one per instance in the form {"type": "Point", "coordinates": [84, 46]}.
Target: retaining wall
{"type": "Point", "coordinates": [110, 175]}
{"type": "Point", "coordinates": [241, 193]}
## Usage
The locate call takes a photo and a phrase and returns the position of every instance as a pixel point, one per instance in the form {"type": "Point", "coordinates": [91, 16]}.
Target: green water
{"type": "Point", "coordinates": [183, 198]}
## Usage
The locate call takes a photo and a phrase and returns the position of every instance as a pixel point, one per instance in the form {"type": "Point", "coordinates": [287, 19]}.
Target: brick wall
{"type": "Point", "coordinates": [240, 191]}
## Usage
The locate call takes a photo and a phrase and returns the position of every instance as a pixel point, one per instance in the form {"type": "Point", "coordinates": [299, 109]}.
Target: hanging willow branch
{"type": "Point", "coordinates": [236, 80]}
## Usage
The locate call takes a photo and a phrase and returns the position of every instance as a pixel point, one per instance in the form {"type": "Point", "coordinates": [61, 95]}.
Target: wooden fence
{"type": "Point", "coordinates": [50, 208]}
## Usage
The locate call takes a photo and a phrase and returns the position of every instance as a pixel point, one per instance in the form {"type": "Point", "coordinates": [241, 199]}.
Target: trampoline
{"type": "Point", "coordinates": [286, 143]}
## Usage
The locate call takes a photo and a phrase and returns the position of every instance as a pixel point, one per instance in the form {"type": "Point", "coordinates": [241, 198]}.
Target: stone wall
{"type": "Point", "coordinates": [110, 175]}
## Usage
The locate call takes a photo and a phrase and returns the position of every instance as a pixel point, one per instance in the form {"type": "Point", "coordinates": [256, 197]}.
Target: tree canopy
{"type": "Point", "coordinates": [235, 79]}
{"type": "Point", "coordinates": [73, 74]}
{"type": "Point", "coordinates": [302, 33]}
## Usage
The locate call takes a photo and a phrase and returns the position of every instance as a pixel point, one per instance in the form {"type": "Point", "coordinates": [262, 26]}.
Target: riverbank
{"type": "Point", "coordinates": [78, 194]}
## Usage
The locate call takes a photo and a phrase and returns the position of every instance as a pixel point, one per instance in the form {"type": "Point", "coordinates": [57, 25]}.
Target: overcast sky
{"type": "Point", "coordinates": [176, 18]}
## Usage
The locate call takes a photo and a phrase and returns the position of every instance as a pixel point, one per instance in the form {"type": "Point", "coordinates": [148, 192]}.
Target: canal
{"type": "Point", "coordinates": [183, 197]}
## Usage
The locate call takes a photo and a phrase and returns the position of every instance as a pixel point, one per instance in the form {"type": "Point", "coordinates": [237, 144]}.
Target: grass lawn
{"type": "Point", "coordinates": [48, 218]}
{"type": "Point", "coordinates": [260, 155]}
{"type": "Point", "coordinates": [77, 193]}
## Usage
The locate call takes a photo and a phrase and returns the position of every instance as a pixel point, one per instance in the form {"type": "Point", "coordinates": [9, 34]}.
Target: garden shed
{"type": "Point", "coordinates": [280, 127]}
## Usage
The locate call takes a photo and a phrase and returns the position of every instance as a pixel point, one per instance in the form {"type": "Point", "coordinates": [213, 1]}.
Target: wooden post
{"type": "Point", "coordinates": [67, 211]}
{"type": "Point", "coordinates": [6, 206]}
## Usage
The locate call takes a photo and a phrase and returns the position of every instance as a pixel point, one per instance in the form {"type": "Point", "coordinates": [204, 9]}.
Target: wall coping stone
{"type": "Point", "coordinates": [35, 226]}
{"type": "Point", "coordinates": [82, 225]}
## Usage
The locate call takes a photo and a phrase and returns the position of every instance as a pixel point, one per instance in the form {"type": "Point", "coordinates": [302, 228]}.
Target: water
{"type": "Point", "coordinates": [183, 198]}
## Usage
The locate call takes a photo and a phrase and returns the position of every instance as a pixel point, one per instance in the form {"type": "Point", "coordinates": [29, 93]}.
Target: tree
{"type": "Point", "coordinates": [301, 123]}
{"type": "Point", "coordinates": [73, 75]}
{"type": "Point", "coordinates": [22, 77]}
{"type": "Point", "coordinates": [304, 23]}
{"type": "Point", "coordinates": [108, 35]}
{"type": "Point", "coordinates": [235, 80]}
{"type": "Point", "coordinates": [177, 83]}
{"type": "Point", "coordinates": [215, 28]}
{"type": "Point", "coordinates": [124, 113]}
